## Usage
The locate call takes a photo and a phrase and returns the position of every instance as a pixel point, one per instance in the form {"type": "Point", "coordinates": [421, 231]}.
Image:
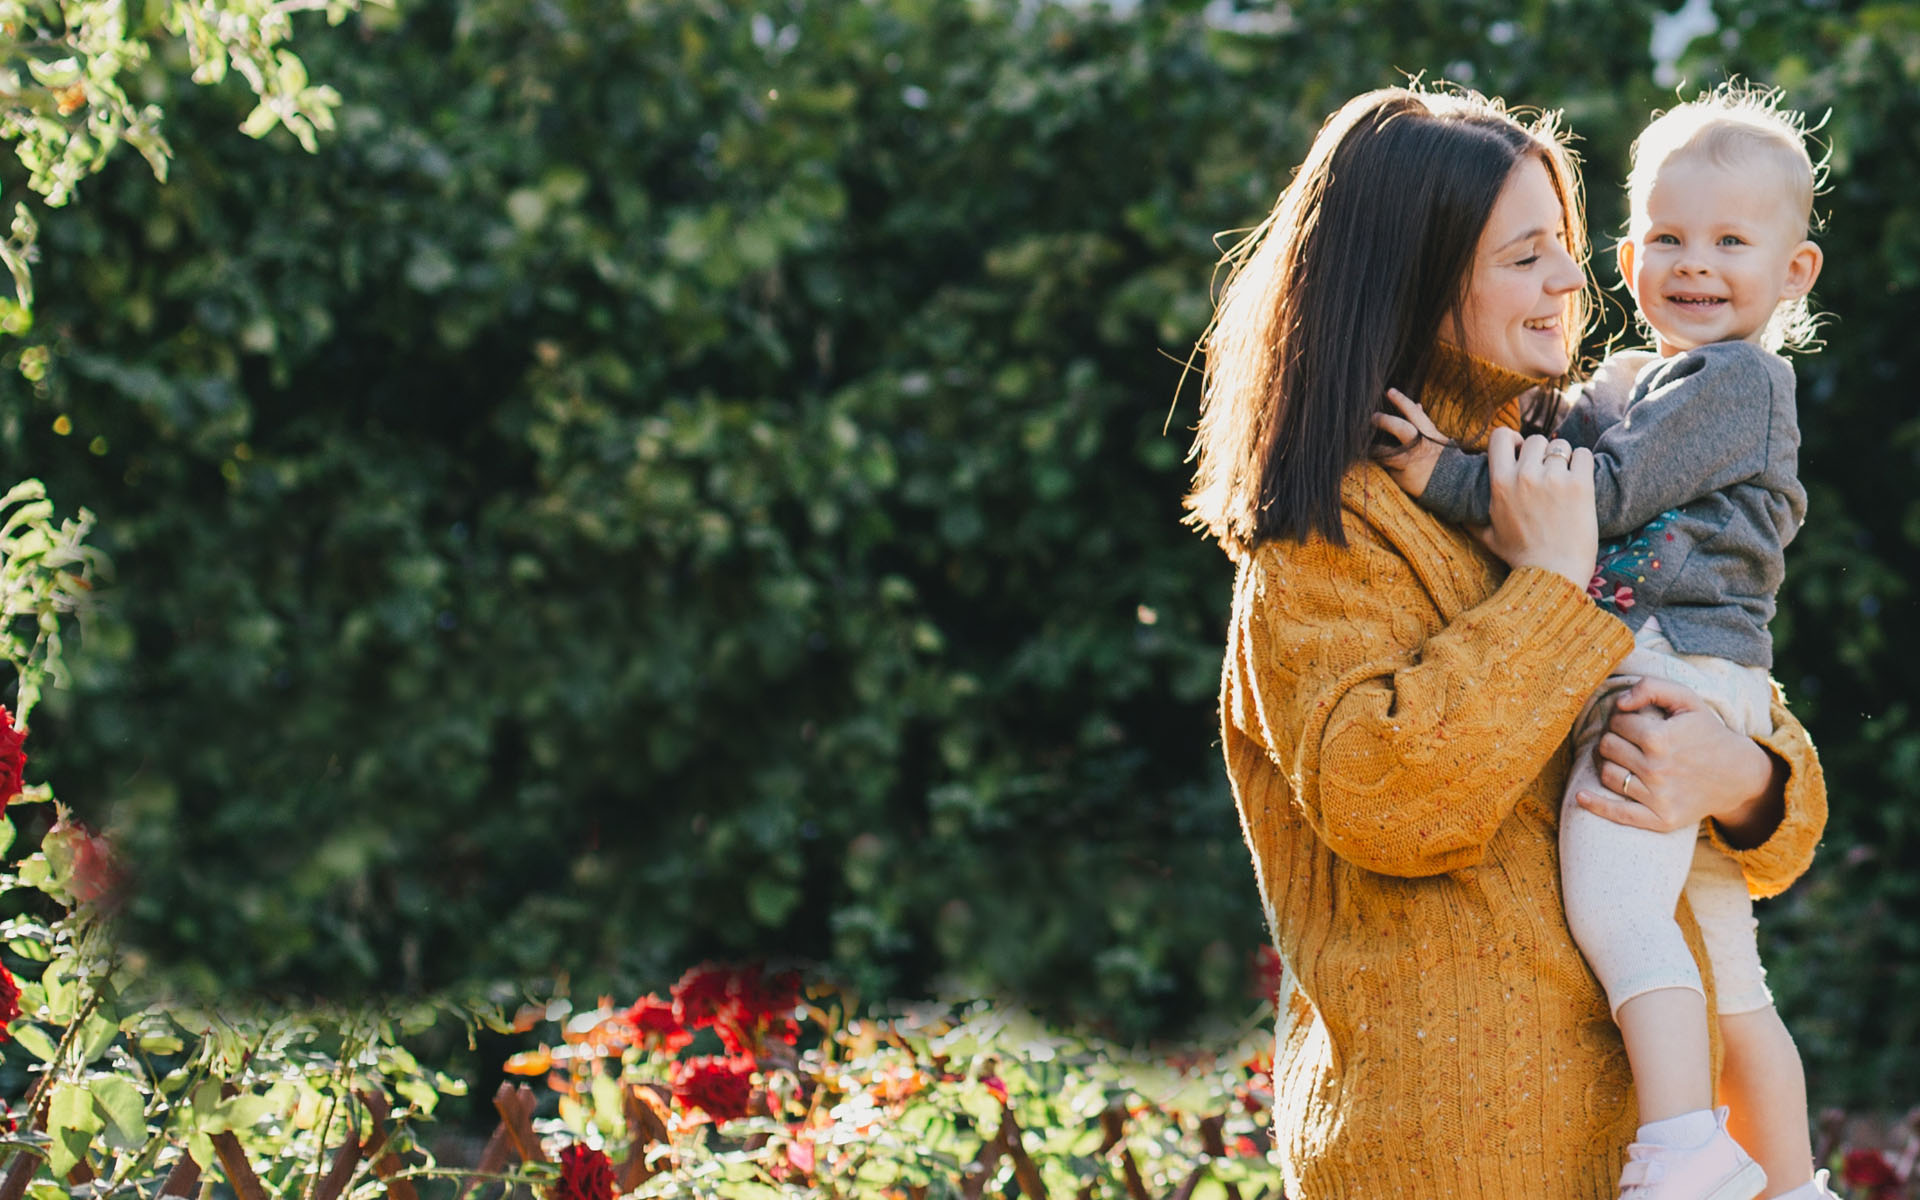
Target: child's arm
{"type": "Point", "coordinates": [1707, 422]}
{"type": "Point", "coordinates": [1456, 486]}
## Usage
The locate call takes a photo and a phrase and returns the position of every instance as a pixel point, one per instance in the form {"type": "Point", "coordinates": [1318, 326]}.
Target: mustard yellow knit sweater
{"type": "Point", "coordinates": [1395, 718]}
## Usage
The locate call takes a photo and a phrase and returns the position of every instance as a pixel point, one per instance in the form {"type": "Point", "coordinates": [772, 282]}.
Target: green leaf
{"type": "Point", "coordinates": [159, 1043]}
{"type": "Point", "coordinates": [99, 1032]}
{"type": "Point", "coordinates": [35, 1041]}
{"type": "Point", "coordinates": [239, 1113]}
{"type": "Point", "coordinates": [30, 949]}
{"type": "Point", "coordinates": [71, 1122]}
{"type": "Point", "coordinates": [35, 872]}
{"type": "Point", "coordinates": [120, 1102]}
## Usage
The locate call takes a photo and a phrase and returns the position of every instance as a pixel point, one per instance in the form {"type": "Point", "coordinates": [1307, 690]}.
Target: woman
{"type": "Point", "coordinates": [1397, 694]}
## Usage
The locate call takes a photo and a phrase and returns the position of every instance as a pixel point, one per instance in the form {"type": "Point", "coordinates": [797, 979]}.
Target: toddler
{"type": "Point", "coordinates": [1696, 492]}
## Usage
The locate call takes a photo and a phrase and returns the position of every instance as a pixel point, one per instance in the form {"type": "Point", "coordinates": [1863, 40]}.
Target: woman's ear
{"type": "Point", "coordinates": [1802, 269]}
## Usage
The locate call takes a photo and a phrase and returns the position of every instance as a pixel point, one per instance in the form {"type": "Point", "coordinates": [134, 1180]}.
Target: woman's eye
{"type": "Point", "coordinates": [1528, 261]}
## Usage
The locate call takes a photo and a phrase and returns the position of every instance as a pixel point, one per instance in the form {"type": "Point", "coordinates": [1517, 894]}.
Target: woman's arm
{"type": "Point", "coordinates": [1407, 744]}
{"type": "Point", "coordinates": [1765, 799]}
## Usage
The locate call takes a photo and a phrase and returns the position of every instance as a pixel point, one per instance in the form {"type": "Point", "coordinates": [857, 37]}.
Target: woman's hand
{"type": "Point", "coordinates": [1542, 507]}
{"type": "Point", "coordinates": [1671, 764]}
{"type": "Point", "coordinates": [1420, 441]}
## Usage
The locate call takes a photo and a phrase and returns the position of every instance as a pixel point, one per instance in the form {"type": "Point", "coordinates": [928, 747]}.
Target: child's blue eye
{"type": "Point", "coordinates": [1665, 239]}
{"type": "Point", "coordinates": [1731, 240]}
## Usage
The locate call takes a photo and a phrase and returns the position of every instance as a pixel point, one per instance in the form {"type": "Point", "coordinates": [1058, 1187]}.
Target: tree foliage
{"type": "Point", "coordinates": [681, 478]}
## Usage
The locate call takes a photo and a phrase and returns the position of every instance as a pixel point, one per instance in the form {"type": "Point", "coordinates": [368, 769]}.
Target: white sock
{"type": "Point", "coordinates": [1683, 1132]}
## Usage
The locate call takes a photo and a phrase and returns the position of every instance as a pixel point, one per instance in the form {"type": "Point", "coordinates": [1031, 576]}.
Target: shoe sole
{"type": "Point", "coordinates": [1745, 1185]}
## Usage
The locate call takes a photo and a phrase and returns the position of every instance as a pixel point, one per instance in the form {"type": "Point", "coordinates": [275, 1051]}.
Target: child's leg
{"type": "Point", "coordinates": [1761, 1079]}
{"type": "Point", "coordinates": [1764, 1085]}
{"type": "Point", "coordinates": [1621, 887]}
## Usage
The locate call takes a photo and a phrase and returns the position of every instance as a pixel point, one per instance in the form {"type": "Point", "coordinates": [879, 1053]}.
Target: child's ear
{"type": "Point", "coordinates": [1623, 252]}
{"type": "Point", "coordinates": [1802, 269]}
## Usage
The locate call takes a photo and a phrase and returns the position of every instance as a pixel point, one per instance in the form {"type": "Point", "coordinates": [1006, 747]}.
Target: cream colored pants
{"type": "Point", "coordinates": [1622, 884]}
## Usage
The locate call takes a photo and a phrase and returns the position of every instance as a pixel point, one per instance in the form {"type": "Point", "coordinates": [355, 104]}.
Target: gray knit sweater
{"type": "Point", "coordinates": [1696, 485]}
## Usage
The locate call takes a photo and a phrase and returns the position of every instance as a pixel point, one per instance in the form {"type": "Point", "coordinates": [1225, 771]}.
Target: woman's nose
{"type": "Point", "coordinates": [1567, 275]}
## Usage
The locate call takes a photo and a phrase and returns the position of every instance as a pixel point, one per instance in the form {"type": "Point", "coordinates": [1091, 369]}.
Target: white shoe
{"type": "Point", "coordinates": [1717, 1169]}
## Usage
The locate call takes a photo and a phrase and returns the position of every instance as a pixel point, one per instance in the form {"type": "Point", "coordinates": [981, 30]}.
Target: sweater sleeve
{"type": "Point", "coordinates": [1406, 745]}
{"type": "Point", "coordinates": [1705, 423]}
{"type": "Point", "coordinates": [1459, 490]}
{"type": "Point", "coordinates": [1774, 864]}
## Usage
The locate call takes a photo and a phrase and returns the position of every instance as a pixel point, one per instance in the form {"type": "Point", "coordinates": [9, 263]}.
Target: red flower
{"type": "Point", "coordinates": [1623, 596]}
{"type": "Point", "coordinates": [719, 1087]}
{"type": "Point", "coordinates": [13, 757]}
{"type": "Point", "coordinates": [658, 1024]}
{"type": "Point", "coordinates": [746, 1007]}
{"type": "Point", "coordinates": [1267, 973]}
{"type": "Point", "coordinates": [1870, 1169]}
{"type": "Point", "coordinates": [93, 873]}
{"type": "Point", "coordinates": [703, 993]}
{"type": "Point", "coordinates": [585, 1174]}
{"type": "Point", "coordinates": [9, 1002]}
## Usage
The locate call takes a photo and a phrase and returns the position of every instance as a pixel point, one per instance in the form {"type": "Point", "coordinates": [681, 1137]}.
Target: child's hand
{"type": "Point", "coordinates": [1420, 441]}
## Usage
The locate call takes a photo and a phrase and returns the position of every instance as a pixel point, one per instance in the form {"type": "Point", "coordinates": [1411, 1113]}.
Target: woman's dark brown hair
{"type": "Point", "coordinates": [1342, 292]}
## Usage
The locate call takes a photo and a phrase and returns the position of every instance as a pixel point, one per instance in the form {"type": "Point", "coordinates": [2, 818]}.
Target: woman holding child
{"type": "Point", "coordinates": [1398, 691]}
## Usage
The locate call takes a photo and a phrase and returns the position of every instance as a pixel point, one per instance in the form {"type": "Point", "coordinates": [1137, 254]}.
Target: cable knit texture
{"type": "Point", "coordinates": [1395, 717]}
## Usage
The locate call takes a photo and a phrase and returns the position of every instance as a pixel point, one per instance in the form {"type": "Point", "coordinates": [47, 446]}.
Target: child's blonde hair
{"type": "Point", "coordinates": [1730, 125]}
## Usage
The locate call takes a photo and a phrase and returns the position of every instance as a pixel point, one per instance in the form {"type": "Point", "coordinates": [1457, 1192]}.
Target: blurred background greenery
{"type": "Point", "coordinates": [688, 478]}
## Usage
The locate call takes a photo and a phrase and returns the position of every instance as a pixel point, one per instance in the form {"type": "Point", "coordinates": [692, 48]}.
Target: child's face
{"type": "Point", "coordinates": [1715, 251]}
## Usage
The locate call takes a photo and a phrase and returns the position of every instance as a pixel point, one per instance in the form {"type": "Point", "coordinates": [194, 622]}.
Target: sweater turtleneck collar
{"type": "Point", "coordinates": [1467, 396]}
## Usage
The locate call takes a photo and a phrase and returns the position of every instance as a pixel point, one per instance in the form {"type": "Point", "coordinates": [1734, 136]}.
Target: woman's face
{"type": "Point", "coordinates": [1515, 312]}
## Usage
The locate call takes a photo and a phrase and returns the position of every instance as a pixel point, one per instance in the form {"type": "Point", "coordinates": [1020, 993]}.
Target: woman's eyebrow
{"type": "Point", "coordinates": [1529, 235]}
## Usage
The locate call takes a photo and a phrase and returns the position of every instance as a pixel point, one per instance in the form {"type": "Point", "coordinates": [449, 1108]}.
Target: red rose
{"type": "Point", "coordinates": [658, 1024]}
{"type": "Point", "coordinates": [719, 1087]}
{"type": "Point", "coordinates": [743, 1005]}
{"type": "Point", "coordinates": [1869, 1169]}
{"type": "Point", "coordinates": [703, 993]}
{"type": "Point", "coordinates": [13, 757]}
{"type": "Point", "coordinates": [93, 873]}
{"type": "Point", "coordinates": [585, 1174]}
{"type": "Point", "coordinates": [9, 1002]}
{"type": "Point", "coordinates": [1267, 973]}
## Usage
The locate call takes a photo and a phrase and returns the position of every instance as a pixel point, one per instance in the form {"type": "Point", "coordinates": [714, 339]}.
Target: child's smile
{"type": "Point", "coordinates": [1715, 251]}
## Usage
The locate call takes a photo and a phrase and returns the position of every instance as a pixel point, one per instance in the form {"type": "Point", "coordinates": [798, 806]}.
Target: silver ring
{"type": "Point", "coordinates": [1562, 452]}
{"type": "Point", "coordinates": [1628, 783]}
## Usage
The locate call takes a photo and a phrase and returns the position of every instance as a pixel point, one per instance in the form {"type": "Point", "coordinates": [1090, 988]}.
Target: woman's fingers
{"type": "Point", "coordinates": [1533, 451]}
{"type": "Point", "coordinates": [1615, 750]}
{"type": "Point", "coordinates": [1663, 694]}
{"type": "Point", "coordinates": [1503, 449]}
{"type": "Point", "coordinates": [1621, 812]}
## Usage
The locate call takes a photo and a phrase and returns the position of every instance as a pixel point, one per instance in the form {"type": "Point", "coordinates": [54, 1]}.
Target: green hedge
{"type": "Point", "coordinates": [671, 479]}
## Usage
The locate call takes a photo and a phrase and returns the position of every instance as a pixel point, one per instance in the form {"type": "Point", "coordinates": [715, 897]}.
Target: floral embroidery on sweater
{"type": "Point", "coordinates": [1625, 563]}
